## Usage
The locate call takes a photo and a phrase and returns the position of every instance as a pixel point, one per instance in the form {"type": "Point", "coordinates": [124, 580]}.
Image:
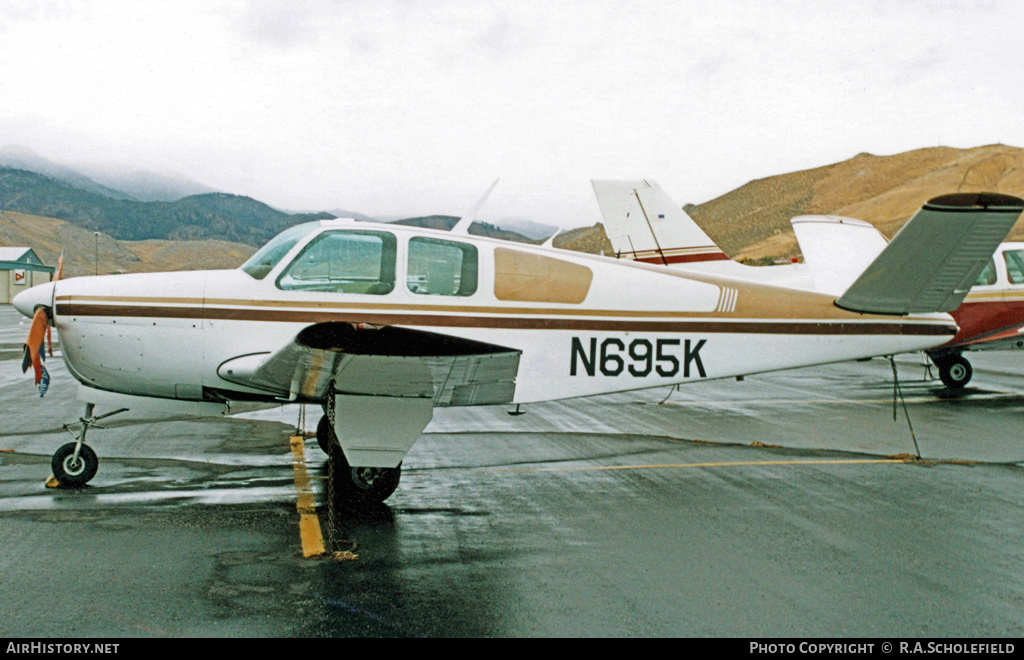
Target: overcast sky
{"type": "Point", "coordinates": [410, 107]}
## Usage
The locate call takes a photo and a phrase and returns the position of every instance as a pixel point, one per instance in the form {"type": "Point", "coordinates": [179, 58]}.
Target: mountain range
{"type": "Point", "coordinates": [205, 216]}
{"type": "Point", "coordinates": [132, 221]}
{"type": "Point", "coordinates": [62, 208]}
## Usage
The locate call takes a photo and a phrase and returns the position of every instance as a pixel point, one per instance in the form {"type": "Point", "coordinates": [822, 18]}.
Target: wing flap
{"type": "Point", "coordinates": [381, 361]}
{"type": "Point", "coordinates": [932, 262]}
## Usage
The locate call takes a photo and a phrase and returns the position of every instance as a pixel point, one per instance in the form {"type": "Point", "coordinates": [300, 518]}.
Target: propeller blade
{"type": "Point", "coordinates": [56, 277]}
{"type": "Point", "coordinates": [32, 357]}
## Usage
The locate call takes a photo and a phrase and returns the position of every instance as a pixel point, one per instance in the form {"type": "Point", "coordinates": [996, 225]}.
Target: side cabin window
{"type": "Point", "coordinates": [344, 262]}
{"type": "Point", "coordinates": [987, 275]}
{"type": "Point", "coordinates": [441, 268]}
{"type": "Point", "coordinates": [1014, 265]}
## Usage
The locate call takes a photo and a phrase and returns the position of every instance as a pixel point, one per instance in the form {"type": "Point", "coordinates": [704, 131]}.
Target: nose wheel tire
{"type": "Point", "coordinates": [74, 472]}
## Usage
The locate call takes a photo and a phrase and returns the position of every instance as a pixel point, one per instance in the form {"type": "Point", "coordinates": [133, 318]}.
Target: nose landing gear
{"type": "Point", "coordinates": [75, 463]}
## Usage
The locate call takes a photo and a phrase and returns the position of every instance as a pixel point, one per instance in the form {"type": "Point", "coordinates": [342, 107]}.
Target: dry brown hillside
{"type": "Point", "coordinates": [585, 239]}
{"type": "Point", "coordinates": [48, 237]}
{"type": "Point", "coordinates": [753, 220]}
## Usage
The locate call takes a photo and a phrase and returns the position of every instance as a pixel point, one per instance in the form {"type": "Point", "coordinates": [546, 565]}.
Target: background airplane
{"type": "Point", "coordinates": [644, 224]}
{"type": "Point", "coordinates": [379, 324]}
{"type": "Point", "coordinates": [991, 317]}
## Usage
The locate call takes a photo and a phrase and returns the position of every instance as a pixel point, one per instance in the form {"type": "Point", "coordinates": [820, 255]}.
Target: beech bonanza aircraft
{"type": "Point", "coordinates": [382, 323]}
{"type": "Point", "coordinates": [644, 224]}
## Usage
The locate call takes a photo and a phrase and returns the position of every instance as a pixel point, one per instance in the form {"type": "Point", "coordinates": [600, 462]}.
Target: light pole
{"type": "Point", "coordinates": [97, 271]}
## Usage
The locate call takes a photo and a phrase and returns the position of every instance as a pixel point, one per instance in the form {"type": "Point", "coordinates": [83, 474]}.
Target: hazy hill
{"type": "Point", "coordinates": [753, 220]}
{"type": "Point", "coordinates": [110, 181]}
{"type": "Point", "coordinates": [446, 222]}
{"type": "Point", "coordinates": [216, 230]}
{"type": "Point", "coordinates": [146, 186]}
{"type": "Point", "coordinates": [342, 213]}
{"type": "Point", "coordinates": [219, 216]}
{"type": "Point", "coordinates": [20, 158]}
{"type": "Point", "coordinates": [208, 216]}
{"type": "Point", "coordinates": [126, 210]}
{"type": "Point", "coordinates": [87, 254]}
{"type": "Point", "coordinates": [535, 231]}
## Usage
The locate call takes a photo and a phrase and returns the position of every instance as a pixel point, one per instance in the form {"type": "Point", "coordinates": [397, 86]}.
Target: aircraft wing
{"type": "Point", "coordinates": [381, 361]}
{"type": "Point", "coordinates": [933, 261]}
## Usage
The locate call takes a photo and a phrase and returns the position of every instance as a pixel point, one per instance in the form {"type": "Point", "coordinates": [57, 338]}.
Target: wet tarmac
{"type": "Point", "coordinates": [780, 506]}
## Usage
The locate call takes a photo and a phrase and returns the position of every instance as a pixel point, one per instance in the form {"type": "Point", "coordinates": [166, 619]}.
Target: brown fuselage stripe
{"type": "Point", "coordinates": [808, 327]}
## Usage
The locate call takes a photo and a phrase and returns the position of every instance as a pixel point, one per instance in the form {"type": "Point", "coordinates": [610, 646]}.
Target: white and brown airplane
{"type": "Point", "coordinates": [381, 323]}
{"type": "Point", "coordinates": [644, 224]}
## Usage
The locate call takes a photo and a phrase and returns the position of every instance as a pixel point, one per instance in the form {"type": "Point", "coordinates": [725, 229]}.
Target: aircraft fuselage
{"type": "Point", "coordinates": [583, 324]}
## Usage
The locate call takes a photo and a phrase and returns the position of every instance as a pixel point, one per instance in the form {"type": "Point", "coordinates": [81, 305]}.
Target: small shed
{"type": "Point", "coordinates": [20, 269]}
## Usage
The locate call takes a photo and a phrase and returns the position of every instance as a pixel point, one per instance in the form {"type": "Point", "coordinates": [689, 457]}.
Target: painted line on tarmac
{"type": "Point", "coordinates": [886, 400]}
{"type": "Point", "coordinates": [660, 466]}
{"type": "Point", "coordinates": [309, 522]}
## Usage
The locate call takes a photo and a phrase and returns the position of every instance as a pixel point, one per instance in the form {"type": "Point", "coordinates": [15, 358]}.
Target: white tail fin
{"type": "Point", "coordinates": [836, 249]}
{"type": "Point", "coordinates": [643, 223]}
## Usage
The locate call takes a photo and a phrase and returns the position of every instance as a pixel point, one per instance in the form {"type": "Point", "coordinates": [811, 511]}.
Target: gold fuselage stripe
{"type": "Point", "coordinates": [495, 318]}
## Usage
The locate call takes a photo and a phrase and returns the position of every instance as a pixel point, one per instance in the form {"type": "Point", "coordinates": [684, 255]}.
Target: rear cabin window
{"type": "Point", "coordinates": [441, 268]}
{"type": "Point", "coordinates": [524, 277]}
{"type": "Point", "coordinates": [1014, 265]}
{"type": "Point", "coordinates": [344, 262]}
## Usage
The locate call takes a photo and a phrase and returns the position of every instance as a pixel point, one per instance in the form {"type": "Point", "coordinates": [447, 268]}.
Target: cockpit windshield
{"type": "Point", "coordinates": [270, 254]}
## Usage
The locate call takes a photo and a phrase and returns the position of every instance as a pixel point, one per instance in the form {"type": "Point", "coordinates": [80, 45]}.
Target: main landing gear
{"type": "Point", "coordinates": [355, 484]}
{"type": "Point", "coordinates": [954, 369]}
{"type": "Point", "coordinates": [75, 463]}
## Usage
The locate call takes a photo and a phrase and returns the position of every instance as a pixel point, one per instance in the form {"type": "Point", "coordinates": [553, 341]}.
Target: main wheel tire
{"type": "Point", "coordinates": [362, 484]}
{"type": "Point", "coordinates": [955, 372]}
{"type": "Point", "coordinates": [74, 473]}
{"type": "Point", "coordinates": [325, 435]}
